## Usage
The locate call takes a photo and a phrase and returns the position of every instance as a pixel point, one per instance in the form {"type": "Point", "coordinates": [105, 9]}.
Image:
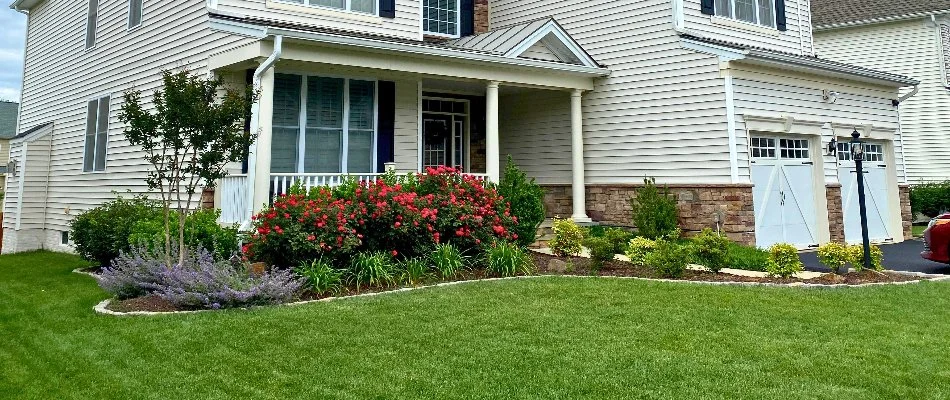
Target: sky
{"type": "Point", "coordinates": [11, 51]}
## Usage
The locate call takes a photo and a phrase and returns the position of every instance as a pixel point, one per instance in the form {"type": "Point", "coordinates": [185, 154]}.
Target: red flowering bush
{"type": "Point", "coordinates": [406, 217]}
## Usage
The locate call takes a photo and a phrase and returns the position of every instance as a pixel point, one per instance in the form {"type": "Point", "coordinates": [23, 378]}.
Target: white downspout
{"type": "Point", "coordinates": [256, 125]}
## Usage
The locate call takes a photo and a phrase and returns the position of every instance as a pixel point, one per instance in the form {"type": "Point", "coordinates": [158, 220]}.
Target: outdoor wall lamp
{"type": "Point", "coordinates": [833, 147]}
{"type": "Point", "coordinates": [830, 96]}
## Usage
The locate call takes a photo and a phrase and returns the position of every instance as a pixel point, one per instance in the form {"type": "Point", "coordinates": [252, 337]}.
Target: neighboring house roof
{"type": "Point", "coordinates": [461, 48]}
{"type": "Point", "coordinates": [785, 60]}
{"type": "Point", "coordinates": [8, 119]}
{"type": "Point", "coordinates": [831, 13]}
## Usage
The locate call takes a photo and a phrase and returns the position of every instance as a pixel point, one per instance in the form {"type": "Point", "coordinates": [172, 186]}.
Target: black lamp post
{"type": "Point", "coordinates": [857, 154]}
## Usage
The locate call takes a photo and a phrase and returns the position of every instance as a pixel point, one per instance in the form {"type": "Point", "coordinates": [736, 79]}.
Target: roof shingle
{"type": "Point", "coordinates": [835, 12]}
{"type": "Point", "coordinates": [8, 117]}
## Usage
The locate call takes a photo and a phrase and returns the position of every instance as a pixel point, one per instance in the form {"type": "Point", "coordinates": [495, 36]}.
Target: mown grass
{"type": "Point", "coordinates": [537, 338]}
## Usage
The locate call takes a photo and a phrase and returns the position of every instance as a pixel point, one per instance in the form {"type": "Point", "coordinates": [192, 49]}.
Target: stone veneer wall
{"type": "Point", "coordinates": [835, 213]}
{"type": "Point", "coordinates": [699, 207]}
{"type": "Point", "coordinates": [481, 16]}
{"type": "Point", "coordinates": [907, 216]}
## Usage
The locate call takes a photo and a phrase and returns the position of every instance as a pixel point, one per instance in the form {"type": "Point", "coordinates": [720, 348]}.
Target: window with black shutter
{"type": "Point", "coordinates": [770, 13]}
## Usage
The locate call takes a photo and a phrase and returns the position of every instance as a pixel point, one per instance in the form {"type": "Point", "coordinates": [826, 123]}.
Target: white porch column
{"type": "Point", "coordinates": [577, 156]}
{"type": "Point", "coordinates": [265, 135]}
{"type": "Point", "coordinates": [492, 148]}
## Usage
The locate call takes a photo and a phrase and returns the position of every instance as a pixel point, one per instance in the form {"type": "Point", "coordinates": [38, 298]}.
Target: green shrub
{"type": "Point", "coordinates": [834, 255]}
{"type": "Point", "coordinates": [654, 211]}
{"type": "Point", "coordinates": [601, 251]}
{"type": "Point", "coordinates": [930, 199]}
{"type": "Point", "coordinates": [669, 259]}
{"type": "Point", "coordinates": [507, 259]}
{"type": "Point", "coordinates": [102, 233]}
{"type": "Point", "coordinates": [447, 260]}
{"type": "Point", "coordinates": [321, 278]}
{"type": "Point", "coordinates": [568, 238]}
{"type": "Point", "coordinates": [201, 231]}
{"type": "Point", "coordinates": [747, 258]}
{"type": "Point", "coordinates": [526, 200]}
{"type": "Point", "coordinates": [372, 269]}
{"type": "Point", "coordinates": [619, 238]}
{"type": "Point", "coordinates": [639, 248]}
{"type": "Point", "coordinates": [711, 250]}
{"type": "Point", "coordinates": [856, 257]}
{"type": "Point", "coordinates": [785, 260]}
{"type": "Point", "coordinates": [413, 271]}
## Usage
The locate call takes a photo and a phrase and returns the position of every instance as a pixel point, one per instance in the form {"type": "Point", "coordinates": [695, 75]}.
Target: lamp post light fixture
{"type": "Point", "coordinates": [857, 154]}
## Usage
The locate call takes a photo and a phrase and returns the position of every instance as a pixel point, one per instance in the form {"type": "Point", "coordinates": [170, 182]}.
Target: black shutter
{"type": "Point", "coordinates": [780, 21]}
{"type": "Point", "coordinates": [468, 18]}
{"type": "Point", "coordinates": [387, 8]}
{"type": "Point", "coordinates": [386, 134]}
{"type": "Point", "coordinates": [709, 7]}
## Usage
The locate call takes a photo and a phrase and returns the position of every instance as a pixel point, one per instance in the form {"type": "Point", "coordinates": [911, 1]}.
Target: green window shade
{"type": "Point", "coordinates": [361, 126]}
{"type": "Point", "coordinates": [286, 123]}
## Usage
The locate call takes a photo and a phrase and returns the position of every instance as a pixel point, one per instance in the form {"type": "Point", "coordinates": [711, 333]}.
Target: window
{"type": "Point", "coordinates": [92, 21]}
{"type": "Point", "coordinates": [794, 148]}
{"type": "Point", "coordinates": [363, 6]}
{"type": "Point", "coordinates": [872, 152]}
{"type": "Point", "coordinates": [440, 17]}
{"type": "Point", "coordinates": [323, 125]}
{"type": "Point", "coordinates": [763, 148]}
{"type": "Point", "coordinates": [760, 12]}
{"type": "Point", "coordinates": [135, 13]}
{"type": "Point", "coordinates": [97, 135]}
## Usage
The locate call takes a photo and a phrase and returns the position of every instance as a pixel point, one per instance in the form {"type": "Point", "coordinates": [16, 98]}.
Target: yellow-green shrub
{"type": "Point", "coordinates": [834, 256]}
{"type": "Point", "coordinates": [639, 248]}
{"type": "Point", "coordinates": [785, 260]}
{"type": "Point", "coordinates": [568, 238]}
{"type": "Point", "coordinates": [857, 257]}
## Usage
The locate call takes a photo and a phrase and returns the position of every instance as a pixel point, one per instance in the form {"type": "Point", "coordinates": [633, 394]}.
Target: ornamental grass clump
{"type": "Point", "coordinates": [371, 269]}
{"type": "Point", "coordinates": [321, 277]}
{"type": "Point", "coordinates": [508, 259]}
{"type": "Point", "coordinates": [447, 260]}
{"type": "Point", "coordinates": [413, 271]}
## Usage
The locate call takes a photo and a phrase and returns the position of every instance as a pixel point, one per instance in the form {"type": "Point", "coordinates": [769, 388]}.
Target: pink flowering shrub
{"type": "Point", "coordinates": [405, 217]}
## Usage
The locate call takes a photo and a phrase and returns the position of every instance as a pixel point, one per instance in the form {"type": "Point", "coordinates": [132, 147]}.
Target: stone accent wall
{"type": "Point", "coordinates": [700, 206]}
{"type": "Point", "coordinates": [477, 156]}
{"type": "Point", "coordinates": [835, 213]}
{"type": "Point", "coordinates": [481, 16]}
{"type": "Point", "coordinates": [907, 216]}
{"type": "Point", "coordinates": [207, 198]}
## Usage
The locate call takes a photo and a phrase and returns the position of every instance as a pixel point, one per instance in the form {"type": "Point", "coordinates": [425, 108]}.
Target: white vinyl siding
{"type": "Point", "coordinates": [660, 113]}
{"type": "Point", "coordinates": [441, 17]}
{"type": "Point", "coordinates": [363, 6]}
{"type": "Point", "coordinates": [797, 39]}
{"type": "Point", "coordinates": [407, 23]}
{"type": "Point", "coordinates": [912, 48]}
{"type": "Point", "coordinates": [135, 13]}
{"type": "Point", "coordinates": [92, 23]}
{"type": "Point", "coordinates": [97, 135]}
{"type": "Point", "coordinates": [323, 125]}
{"type": "Point", "coordinates": [60, 78]}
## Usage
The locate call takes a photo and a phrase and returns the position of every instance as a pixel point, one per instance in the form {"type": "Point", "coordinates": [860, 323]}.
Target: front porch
{"type": "Point", "coordinates": [327, 113]}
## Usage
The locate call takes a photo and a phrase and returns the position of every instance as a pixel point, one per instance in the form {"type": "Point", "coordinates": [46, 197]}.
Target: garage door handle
{"type": "Point", "coordinates": [808, 163]}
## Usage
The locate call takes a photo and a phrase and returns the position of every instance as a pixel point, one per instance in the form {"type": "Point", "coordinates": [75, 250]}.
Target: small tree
{"type": "Point", "coordinates": [527, 202]}
{"type": "Point", "coordinates": [195, 130]}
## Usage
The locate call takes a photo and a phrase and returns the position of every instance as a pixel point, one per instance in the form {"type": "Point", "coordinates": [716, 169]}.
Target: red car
{"type": "Point", "coordinates": [937, 239]}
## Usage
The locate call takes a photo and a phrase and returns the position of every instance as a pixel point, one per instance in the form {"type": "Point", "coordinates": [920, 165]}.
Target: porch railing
{"type": "Point", "coordinates": [234, 190]}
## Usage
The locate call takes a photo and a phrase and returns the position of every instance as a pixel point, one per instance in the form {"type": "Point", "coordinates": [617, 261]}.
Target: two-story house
{"type": "Point", "coordinates": [720, 100]}
{"type": "Point", "coordinates": [905, 37]}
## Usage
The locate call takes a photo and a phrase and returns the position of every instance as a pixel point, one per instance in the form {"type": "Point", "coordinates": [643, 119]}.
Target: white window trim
{"type": "Point", "coordinates": [129, 26]}
{"type": "Point", "coordinates": [105, 165]}
{"type": "Point", "coordinates": [345, 143]}
{"type": "Point", "coordinates": [732, 16]}
{"type": "Point", "coordinates": [347, 7]}
{"type": "Point", "coordinates": [94, 27]}
{"type": "Point", "coordinates": [458, 22]}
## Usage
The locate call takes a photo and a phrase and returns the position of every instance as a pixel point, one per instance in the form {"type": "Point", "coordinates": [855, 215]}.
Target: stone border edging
{"type": "Point", "coordinates": [102, 307]}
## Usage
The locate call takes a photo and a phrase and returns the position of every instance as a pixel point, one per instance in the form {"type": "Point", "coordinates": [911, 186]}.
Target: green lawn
{"type": "Point", "coordinates": [541, 338]}
{"type": "Point", "coordinates": [918, 230]}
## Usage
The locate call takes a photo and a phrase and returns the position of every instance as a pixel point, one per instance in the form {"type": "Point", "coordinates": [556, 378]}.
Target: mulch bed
{"type": "Point", "coordinates": [551, 265]}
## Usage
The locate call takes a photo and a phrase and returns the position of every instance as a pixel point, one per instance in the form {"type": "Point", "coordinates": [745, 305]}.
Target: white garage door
{"type": "Point", "coordinates": [783, 192]}
{"type": "Point", "coordinates": [875, 189]}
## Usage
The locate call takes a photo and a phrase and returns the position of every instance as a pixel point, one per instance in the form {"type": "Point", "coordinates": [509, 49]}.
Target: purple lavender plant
{"type": "Point", "coordinates": [199, 282]}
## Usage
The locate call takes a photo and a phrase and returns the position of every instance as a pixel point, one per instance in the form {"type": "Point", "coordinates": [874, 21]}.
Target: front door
{"type": "Point", "coordinates": [445, 133]}
{"type": "Point", "coordinates": [875, 190]}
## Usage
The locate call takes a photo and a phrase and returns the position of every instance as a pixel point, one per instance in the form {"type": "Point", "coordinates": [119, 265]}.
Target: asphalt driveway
{"type": "Point", "coordinates": [899, 257]}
